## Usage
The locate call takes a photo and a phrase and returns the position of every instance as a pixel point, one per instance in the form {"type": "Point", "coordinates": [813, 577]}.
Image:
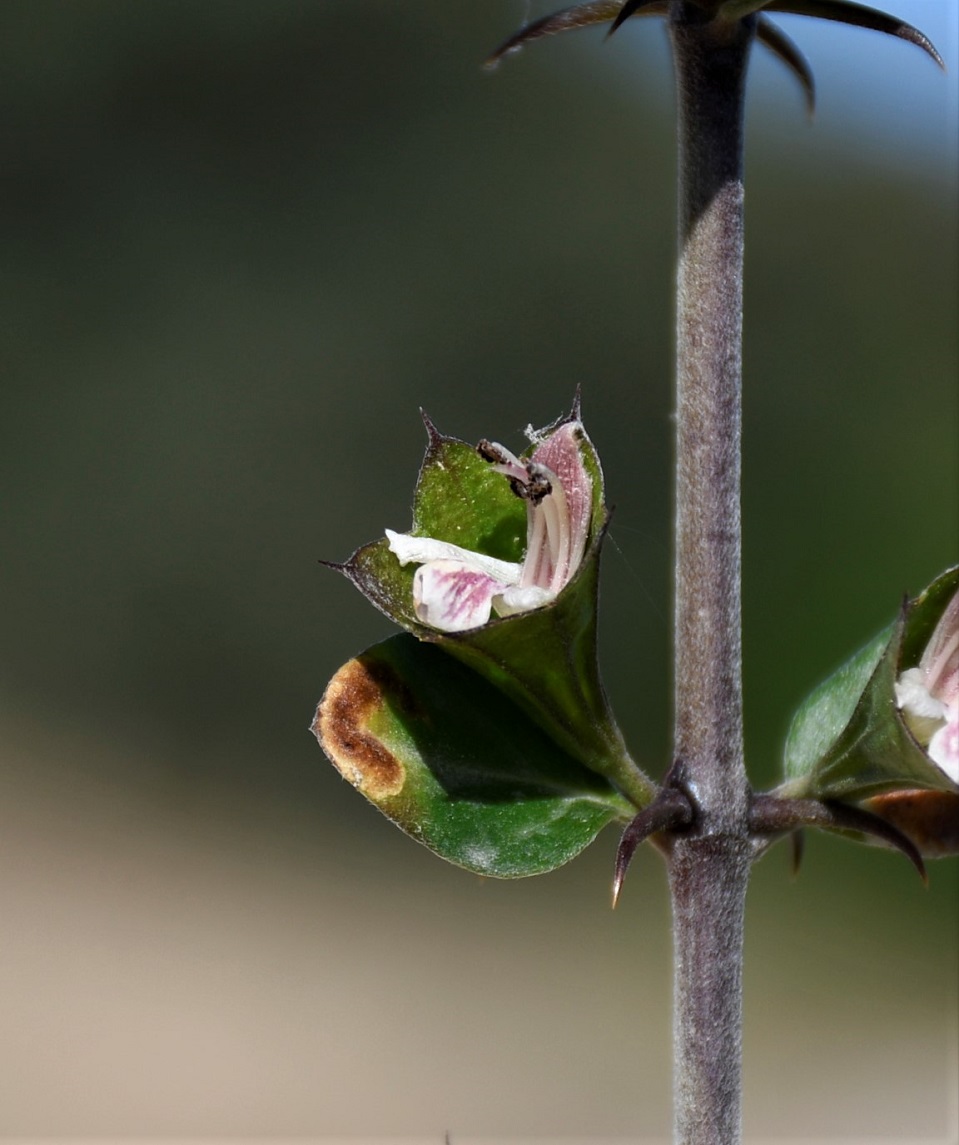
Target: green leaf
{"type": "Point", "coordinates": [848, 740]}
{"type": "Point", "coordinates": [457, 766]}
{"type": "Point", "coordinates": [824, 728]}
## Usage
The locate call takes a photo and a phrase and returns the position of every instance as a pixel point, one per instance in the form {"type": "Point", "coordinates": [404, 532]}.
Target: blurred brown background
{"type": "Point", "coordinates": [242, 243]}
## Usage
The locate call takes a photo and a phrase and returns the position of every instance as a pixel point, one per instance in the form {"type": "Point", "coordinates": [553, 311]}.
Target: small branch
{"type": "Point", "coordinates": [771, 816]}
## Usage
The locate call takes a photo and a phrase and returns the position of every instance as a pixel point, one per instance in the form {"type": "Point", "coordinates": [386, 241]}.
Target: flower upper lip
{"type": "Point", "coordinates": [456, 589]}
{"type": "Point", "coordinates": [928, 695]}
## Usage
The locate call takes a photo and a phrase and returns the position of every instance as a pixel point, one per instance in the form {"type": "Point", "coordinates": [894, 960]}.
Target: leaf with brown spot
{"type": "Point", "coordinates": [458, 766]}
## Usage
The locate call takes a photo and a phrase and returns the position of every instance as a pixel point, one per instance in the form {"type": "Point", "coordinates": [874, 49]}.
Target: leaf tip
{"type": "Point", "coordinates": [335, 566]}
{"type": "Point", "coordinates": [576, 410]}
{"type": "Point", "coordinates": [434, 436]}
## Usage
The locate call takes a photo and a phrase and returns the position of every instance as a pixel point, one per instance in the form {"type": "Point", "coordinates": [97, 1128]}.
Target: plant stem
{"type": "Point", "coordinates": [709, 866]}
{"type": "Point", "coordinates": [708, 878]}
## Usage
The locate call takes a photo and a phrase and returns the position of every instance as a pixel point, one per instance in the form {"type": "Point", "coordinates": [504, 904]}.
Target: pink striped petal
{"type": "Point", "coordinates": [940, 661]}
{"type": "Point", "coordinates": [453, 596]}
{"type": "Point", "coordinates": [561, 453]}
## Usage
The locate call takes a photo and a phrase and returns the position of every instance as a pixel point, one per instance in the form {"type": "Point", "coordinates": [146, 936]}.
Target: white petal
{"type": "Point", "coordinates": [451, 596]}
{"type": "Point", "coordinates": [522, 598]}
{"type": "Point", "coordinates": [914, 697]}
{"type": "Point", "coordinates": [421, 550]}
{"type": "Point", "coordinates": [924, 716]}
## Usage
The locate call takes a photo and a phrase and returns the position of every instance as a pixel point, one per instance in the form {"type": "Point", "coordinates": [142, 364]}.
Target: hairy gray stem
{"type": "Point", "coordinates": [708, 877]}
{"type": "Point", "coordinates": [709, 866]}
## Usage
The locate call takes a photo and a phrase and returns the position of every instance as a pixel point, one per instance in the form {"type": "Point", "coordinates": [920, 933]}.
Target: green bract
{"type": "Point", "coordinates": [543, 659]}
{"type": "Point", "coordinates": [849, 740]}
{"type": "Point", "coordinates": [492, 743]}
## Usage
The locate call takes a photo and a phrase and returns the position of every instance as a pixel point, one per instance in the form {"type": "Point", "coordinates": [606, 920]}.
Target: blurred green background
{"type": "Point", "coordinates": [242, 243]}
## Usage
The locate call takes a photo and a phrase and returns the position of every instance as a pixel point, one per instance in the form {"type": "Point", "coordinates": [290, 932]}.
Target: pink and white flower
{"type": "Point", "coordinates": [928, 695]}
{"type": "Point", "coordinates": [455, 589]}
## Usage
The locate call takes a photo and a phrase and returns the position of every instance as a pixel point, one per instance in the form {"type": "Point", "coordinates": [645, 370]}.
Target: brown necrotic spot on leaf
{"type": "Point", "coordinates": [341, 725]}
